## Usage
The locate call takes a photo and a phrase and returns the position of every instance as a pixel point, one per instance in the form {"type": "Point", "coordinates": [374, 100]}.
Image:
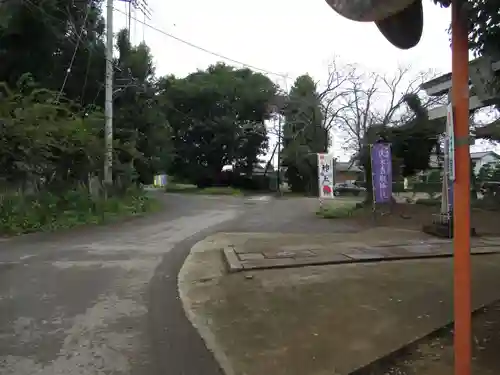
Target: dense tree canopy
{"type": "Point", "coordinates": [40, 37]}
{"type": "Point", "coordinates": [484, 25]}
{"type": "Point", "coordinates": [53, 69]}
{"type": "Point", "coordinates": [59, 45]}
{"type": "Point", "coordinates": [217, 118]}
{"type": "Point", "coordinates": [48, 137]}
{"type": "Point", "coordinates": [141, 131]}
{"type": "Point", "coordinates": [53, 66]}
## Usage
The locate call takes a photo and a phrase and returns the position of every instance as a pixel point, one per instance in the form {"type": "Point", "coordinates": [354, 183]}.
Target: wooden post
{"type": "Point", "coordinates": [461, 196]}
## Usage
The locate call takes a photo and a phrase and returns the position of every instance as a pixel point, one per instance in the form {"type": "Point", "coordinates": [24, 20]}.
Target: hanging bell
{"type": "Point", "coordinates": [400, 21]}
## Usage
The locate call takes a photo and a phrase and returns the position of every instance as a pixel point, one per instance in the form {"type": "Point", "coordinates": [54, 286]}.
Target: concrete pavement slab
{"type": "Point", "coordinates": [265, 250]}
{"type": "Point", "coordinates": [319, 320]}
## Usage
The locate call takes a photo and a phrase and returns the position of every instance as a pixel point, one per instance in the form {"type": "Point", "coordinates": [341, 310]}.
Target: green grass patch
{"type": "Point", "coordinates": [337, 209]}
{"type": "Point", "coordinates": [46, 212]}
{"type": "Point", "coordinates": [192, 189]}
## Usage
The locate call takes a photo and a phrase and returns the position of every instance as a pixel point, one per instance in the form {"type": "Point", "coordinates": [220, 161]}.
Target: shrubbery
{"type": "Point", "coordinates": [248, 183]}
{"type": "Point", "coordinates": [337, 210]}
{"type": "Point", "coordinates": [236, 180]}
{"type": "Point", "coordinates": [47, 211]}
{"type": "Point", "coordinates": [52, 158]}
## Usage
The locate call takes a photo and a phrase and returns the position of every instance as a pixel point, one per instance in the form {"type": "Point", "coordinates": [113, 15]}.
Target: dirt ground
{"type": "Point", "coordinates": [413, 216]}
{"type": "Point", "coordinates": [434, 354]}
{"type": "Point", "coordinates": [324, 319]}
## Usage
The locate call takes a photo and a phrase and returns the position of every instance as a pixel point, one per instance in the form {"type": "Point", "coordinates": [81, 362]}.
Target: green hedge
{"type": "Point", "coordinates": [427, 187]}
{"type": "Point", "coordinates": [336, 210]}
{"type": "Point", "coordinates": [46, 211]}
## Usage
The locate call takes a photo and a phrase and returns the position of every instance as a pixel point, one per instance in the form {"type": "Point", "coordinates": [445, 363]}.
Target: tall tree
{"type": "Point", "coordinates": [304, 135]}
{"type": "Point", "coordinates": [59, 42]}
{"type": "Point", "coordinates": [217, 118]}
{"type": "Point", "coordinates": [141, 128]}
{"type": "Point", "coordinates": [484, 25]}
{"type": "Point", "coordinates": [386, 107]}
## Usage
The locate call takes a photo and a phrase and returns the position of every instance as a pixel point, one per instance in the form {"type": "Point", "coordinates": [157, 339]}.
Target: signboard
{"type": "Point", "coordinates": [381, 172]}
{"type": "Point", "coordinates": [326, 176]}
{"type": "Point", "coordinates": [450, 135]}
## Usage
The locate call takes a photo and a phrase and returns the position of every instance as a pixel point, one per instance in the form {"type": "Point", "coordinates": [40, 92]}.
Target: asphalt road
{"type": "Point", "coordinates": [104, 300]}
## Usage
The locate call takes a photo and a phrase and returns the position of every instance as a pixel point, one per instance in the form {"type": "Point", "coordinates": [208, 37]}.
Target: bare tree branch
{"type": "Point", "coordinates": [374, 99]}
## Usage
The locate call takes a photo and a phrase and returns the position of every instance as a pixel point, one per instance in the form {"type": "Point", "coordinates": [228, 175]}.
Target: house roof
{"type": "Point", "coordinates": [482, 154]}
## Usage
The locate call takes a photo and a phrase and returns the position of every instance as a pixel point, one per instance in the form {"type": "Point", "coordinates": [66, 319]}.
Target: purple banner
{"type": "Point", "coordinates": [381, 172]}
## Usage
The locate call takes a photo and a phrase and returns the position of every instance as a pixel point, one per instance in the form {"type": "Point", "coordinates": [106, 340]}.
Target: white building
{"type": "Point", "coordinates": [481, 158]}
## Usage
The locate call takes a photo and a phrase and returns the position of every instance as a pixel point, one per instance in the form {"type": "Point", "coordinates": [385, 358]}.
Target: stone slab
{"type": "Point", "coordinates": [289, 254]}
{"type": "Point", "coordinates": [294, 251]}
{"type": "Point", "coordinates": [363, 255]}
{"type": "Point", "coordinates": [304, 254]}
{"type": "Point", "coordinates": [278, 254]}
{"type": "Point", "coordinates": [269, 263]}
{"type": "Point", "coordinates": [423, 249]}
{"type": "Point", "coordinates": [324, 259]}
{"type": "Point", "coordinates": [489, 241]}
{"type": "Point", "coordinates": [295, 262]}
{"type": "Point", "coordinates": [232, 261]}
{"type": "Point", "coordinates": [484, 250]}
{"type": "Point", "coordinates": [258, 261]}
{"type": "Point", "coordinates": [250, 256]}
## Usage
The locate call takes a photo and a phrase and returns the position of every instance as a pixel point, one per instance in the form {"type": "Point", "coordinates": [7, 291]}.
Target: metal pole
{"type": "Point", "coordinates": [129, 21]}
{"type": "Point", "coordinates": [108, 110]}
{"type": "Point", "coordinates": [461, 196]}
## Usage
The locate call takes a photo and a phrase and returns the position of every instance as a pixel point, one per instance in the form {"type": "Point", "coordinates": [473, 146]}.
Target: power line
{"type": "Point", "coordinates": [281, 75]}
{"type": "Point", "coordinates": [204, 49]}
{"type": "Point", "coordinates": [61, 37]}
{"type": "Point", "coordinates": [68, 71]}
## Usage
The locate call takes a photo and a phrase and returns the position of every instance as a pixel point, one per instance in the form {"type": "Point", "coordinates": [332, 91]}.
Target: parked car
{"type": "Point", "coordinates": [345, 188]}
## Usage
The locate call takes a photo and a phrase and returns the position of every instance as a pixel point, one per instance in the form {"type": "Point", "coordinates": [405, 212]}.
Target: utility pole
{"type": "Point", "coordinates": [108, 108]}
{"type": "Point", "coordinates": [130, 21]}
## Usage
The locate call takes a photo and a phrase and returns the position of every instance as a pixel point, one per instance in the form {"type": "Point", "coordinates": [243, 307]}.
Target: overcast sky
{"type": "Point", "coordinates": [281, 36]}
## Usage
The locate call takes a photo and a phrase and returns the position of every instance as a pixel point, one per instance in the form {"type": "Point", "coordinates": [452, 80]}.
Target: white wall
{"type": "Point", "coordinates": [484, 160]}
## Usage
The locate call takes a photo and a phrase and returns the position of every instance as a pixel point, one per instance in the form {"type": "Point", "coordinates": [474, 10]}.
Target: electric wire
{"type": "Point", "coordinates": [68, 71]}
{"type": "Point", "coordinates": [180, 40]}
